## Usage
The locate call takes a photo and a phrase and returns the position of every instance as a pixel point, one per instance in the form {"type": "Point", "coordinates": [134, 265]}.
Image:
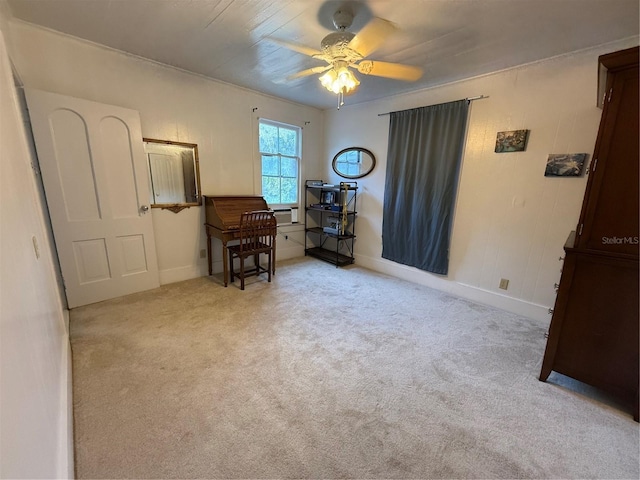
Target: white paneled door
{"type": "Point", "coordinates": [95, 178]}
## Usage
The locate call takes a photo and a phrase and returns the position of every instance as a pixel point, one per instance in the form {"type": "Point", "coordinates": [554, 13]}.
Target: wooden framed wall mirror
{"type": "Point", "coordinates": [174, 174]}
{"type": "Point", "coordinates": [353, 162]}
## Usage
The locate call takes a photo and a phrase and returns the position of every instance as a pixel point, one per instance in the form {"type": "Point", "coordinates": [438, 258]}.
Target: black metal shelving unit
{"type": "Point", "coordinates": [330, 219]}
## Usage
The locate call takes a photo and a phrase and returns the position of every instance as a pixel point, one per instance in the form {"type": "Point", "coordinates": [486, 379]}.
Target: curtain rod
{"type": "Point", "coordinates": [479, 97]}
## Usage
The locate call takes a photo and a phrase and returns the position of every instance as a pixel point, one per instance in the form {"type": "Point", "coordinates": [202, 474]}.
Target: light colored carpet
{"type": "Point", "coordinates": [328, 373]}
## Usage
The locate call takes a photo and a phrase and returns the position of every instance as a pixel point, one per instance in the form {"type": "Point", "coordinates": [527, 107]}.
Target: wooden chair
{"type": "Point", "coordinates": [257, 235]}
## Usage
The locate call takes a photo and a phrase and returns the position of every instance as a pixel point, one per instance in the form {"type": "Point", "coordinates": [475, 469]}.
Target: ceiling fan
{"type": "Point", "coordinates": [343, 50]}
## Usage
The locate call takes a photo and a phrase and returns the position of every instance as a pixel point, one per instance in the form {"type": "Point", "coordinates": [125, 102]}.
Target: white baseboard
{"type": "Point", "coordinates": [180, 274]}
{"type": "Point", "coordinates": [404, 272]}
{"type": "Point", "coordinates": [290, 252]}
{"type": "Point", "coordinates": [66, 460]}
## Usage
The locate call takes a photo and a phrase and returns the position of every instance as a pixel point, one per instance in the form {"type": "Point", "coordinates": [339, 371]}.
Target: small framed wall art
{"type": "Point", "coordinates": [565, 164]}
{"type": "Point", "coordinates": [511, 141]}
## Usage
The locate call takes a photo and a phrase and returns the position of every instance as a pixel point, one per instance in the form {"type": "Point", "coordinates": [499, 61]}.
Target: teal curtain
{"type": "Point", "coordinates": [423, 165]}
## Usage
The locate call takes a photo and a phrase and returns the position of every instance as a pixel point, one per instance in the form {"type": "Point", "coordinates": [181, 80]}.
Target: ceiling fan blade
{"type": "Point", "coordinates": [397, 71]}
{"type": "Point", "coordinates": [372, 36]}
{"type": "Point", "coordinates": [295, 47]}
{"type": "Point", "coordinates": [309, 71]}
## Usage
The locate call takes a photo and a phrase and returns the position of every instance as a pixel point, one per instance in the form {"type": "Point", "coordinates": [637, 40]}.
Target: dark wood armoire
{"type": "Point", "coordinates": [594, 333]}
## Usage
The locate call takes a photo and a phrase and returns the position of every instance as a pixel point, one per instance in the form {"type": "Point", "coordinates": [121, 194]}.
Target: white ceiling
{"type": "Point", "coordinates": [225, 39]}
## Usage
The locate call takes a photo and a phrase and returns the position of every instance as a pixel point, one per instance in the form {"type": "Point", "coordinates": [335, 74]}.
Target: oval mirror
{"type": "Point", "coordinates": [353, 162]}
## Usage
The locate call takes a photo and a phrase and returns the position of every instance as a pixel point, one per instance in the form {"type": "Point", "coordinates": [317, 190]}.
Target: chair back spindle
{"type": "Point", "coordinates": [258, 230]}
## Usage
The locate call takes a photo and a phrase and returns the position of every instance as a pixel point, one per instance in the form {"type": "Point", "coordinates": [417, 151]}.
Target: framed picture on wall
{"type": "Point", "coordinates": [565, 164]}
{"type": "Point", "coordinates": [511, 141]}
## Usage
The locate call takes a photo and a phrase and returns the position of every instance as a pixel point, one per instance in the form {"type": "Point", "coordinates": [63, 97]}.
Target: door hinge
{"type": "Point", "coordinates": [580, 229]}
{"type": "Point", "coordinates": [610, 94]}
{"type": "Point", "coordinates": [595, 164]}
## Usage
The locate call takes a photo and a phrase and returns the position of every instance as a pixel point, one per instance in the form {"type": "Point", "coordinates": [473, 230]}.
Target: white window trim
{"type": "Point", "coordinates": [259, 155]}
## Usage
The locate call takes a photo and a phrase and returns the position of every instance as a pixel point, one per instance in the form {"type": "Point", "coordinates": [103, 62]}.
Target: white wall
{"type": "Point", "coordinates": [179, 106]}
{"type": "Point", "coordinates": [35, 376]}
{"type": "Point", "coordinates": [510, 221]}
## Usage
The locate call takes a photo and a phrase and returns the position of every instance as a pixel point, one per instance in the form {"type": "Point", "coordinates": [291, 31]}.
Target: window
{"type": "Point", "coordinates": [280, 155]}
{"type": "Point", "coordinates": [349, 163]}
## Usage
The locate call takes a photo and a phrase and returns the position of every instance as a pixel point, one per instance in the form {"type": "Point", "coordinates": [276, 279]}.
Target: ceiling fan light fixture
{"type": "Point", "coordinates": [343, 50]}
{"type": "Point", "coordinates": [328, 79]}
{"type": "Point", "coordinates": [339, 79]}
{"type": "Point", "coordinates": [347, 79]}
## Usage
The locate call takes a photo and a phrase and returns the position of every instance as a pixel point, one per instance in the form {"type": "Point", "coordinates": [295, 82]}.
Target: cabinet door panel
{"type": "Point", "coordinates": [610, 214]}
{"type": "Point", "coordinates": [598, 341]}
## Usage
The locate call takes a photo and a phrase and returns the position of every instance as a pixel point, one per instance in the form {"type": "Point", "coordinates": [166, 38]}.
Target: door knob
{"type": "Point", "coordinates": [144, 208]}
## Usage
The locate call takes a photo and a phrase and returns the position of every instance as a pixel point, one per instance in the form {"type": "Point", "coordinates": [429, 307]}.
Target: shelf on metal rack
{"type": "Point", "coordinates": [321, 231]}
{"type": "Point", "coordinates": [330, 256]}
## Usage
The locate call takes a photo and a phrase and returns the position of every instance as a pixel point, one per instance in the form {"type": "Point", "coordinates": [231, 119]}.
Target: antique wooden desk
{"type": "Point", "coordinates": [222, 214]}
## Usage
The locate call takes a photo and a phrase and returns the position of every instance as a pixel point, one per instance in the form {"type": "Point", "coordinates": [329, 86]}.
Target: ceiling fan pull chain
{"type": "Point", "coordinates": [341, 98]}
